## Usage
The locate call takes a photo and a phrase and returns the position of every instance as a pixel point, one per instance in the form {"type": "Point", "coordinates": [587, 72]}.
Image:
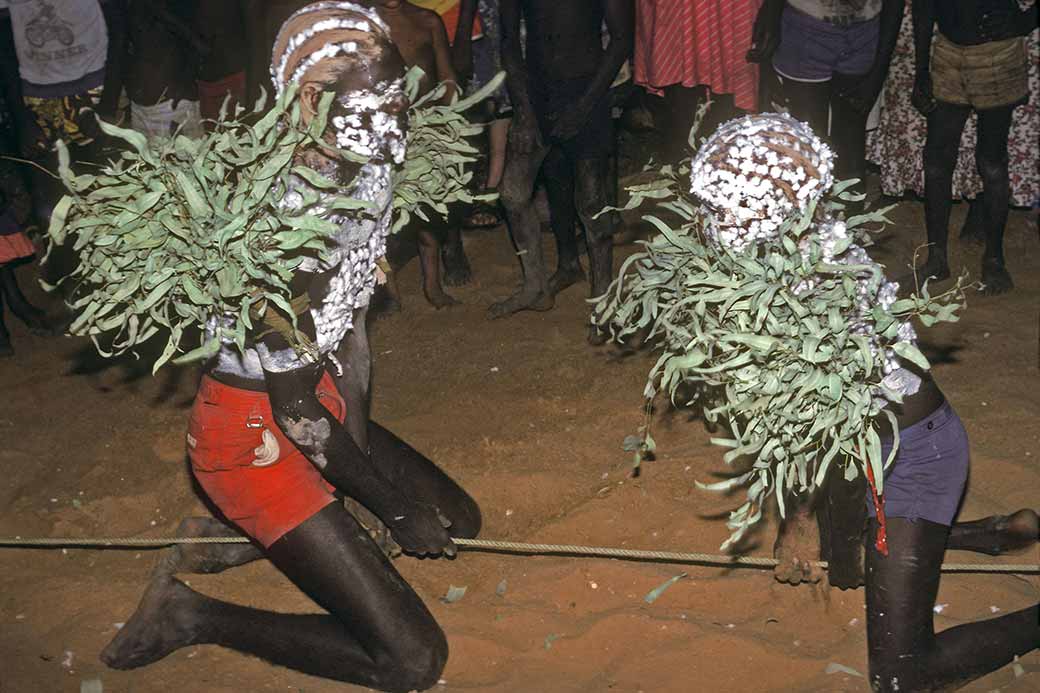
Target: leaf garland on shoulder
{"type": "Point", "coordinates": [787, 371]}
{"type": "Point", "coordinates": [436, 171]}
{"type": "Point", "coordinates": [176, 233]}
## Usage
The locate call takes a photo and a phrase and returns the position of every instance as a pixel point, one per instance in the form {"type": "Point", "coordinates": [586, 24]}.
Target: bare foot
{"type": "Point", "coordinates": [374, 526]}
{"type": "Point", "coordinates": [437, 298]}
{"type": "Point", "coordinates": [934, 268]}
{"type": "Point", "coordinates": [457, 271]}
{"type": "Point", "coordinates": [163, 622]}
{"type": "Point", "coordinates": [205, 558]}
{"type": "Point", "coordinates": [564, 277]}
{"type": "Point", "coordinates": [1021, 530]}
{"type": "Point", "coordinates": [525, 299]}
{"type": "Point", "coordinates": [484, 214]}
{"type": "Point", "coordinates": [996, 534]}
{"type": "Point", "coordinates": [995, 278]}
{"type": "Point", "coordinates": [797, 545]}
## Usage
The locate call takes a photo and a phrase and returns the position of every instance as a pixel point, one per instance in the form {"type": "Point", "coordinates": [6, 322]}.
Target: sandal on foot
{"type": "Point", "coordinates": [484, 215]}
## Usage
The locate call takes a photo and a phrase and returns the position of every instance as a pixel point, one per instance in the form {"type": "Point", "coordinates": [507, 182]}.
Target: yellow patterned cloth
{"type": "Point", "coordinates": [449, 12]}
{"type": "Point", "coordinates": [67, 118]}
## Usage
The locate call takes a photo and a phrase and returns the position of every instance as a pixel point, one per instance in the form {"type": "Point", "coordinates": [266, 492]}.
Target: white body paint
{"type": "Point", "coordinates": [371, 22]}
{"type": "Point", "coordinates": [360, 241]}
{"type": "Point", "coordinates": [742, 178]}
{"type": "Point", "coordinates": [734, 174]}
{"type": "Point", "coordinates": [371, 126]}
{"type": "Point", "coordinates": [361, 238]}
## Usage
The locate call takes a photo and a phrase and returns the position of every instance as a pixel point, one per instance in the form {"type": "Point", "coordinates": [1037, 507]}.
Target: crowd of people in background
{"type": "Point", "coordinates": [951, 117]}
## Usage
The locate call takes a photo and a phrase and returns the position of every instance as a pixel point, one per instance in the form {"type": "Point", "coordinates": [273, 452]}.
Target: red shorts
{"type": "Point", "coordinates": [247, 466]}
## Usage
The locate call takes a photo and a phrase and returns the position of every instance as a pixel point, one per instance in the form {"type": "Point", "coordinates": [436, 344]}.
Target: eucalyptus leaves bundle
{"type": "Point", "coordinates": [773, 342]}
{"type": "Point", "coordinates": [182, 233]}
{"type": "Point", "coordinates": [437, 169]}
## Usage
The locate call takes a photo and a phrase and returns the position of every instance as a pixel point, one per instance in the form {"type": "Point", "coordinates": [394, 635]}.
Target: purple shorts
{"type": "Point", "coordinates": [927, 478]}
{"type": "Point", "coordinates": [812, 50]}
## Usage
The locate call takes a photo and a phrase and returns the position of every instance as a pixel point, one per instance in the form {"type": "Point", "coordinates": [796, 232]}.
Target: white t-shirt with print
{"type": "Point", "coordinates": [58, 40]}
{"type": "Point", "coordinates": [838, 11]}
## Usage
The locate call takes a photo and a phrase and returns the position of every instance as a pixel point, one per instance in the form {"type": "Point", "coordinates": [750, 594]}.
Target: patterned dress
{"type": "Point", "coordinates": [897, 145]}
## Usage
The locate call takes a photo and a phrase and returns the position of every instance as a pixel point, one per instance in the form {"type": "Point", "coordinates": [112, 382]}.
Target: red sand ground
{"type": "Point", "coordinates": [530, 420]}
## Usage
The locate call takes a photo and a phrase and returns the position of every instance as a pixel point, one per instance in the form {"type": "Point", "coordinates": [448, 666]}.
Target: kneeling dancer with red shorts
{"type": "Point", "coordinates": [274, 436]}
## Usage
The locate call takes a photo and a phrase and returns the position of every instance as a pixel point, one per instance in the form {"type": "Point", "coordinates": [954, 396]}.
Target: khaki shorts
{"type": "Point", "coordinates": [989, 75]}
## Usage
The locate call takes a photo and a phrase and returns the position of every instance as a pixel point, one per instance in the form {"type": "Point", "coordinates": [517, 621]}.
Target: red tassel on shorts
{"type": "Point", "coordinates": [881, 542]}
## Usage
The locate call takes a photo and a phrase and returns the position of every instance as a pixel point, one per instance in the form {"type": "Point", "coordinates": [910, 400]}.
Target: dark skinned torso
{"type": "Point", "coordinates": [960, 20]}
{"type": "Point", "coordinates": [420, 37]}
{"type": "Point", "coordinates": [563, 38]}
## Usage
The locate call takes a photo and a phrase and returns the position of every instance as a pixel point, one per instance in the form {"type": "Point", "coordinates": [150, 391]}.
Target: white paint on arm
{"type": "Point", "coordinates": [311, 436]}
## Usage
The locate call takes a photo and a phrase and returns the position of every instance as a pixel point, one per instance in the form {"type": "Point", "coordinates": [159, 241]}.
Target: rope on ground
{"type": "Point", "coordinates": [503, 546]}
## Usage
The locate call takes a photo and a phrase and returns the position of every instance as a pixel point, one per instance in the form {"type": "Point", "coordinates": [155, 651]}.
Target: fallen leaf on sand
{"type": "Point", "coordinates": [454, 594]}
{"type": "Point", "coordinates": [656, 592]}
{"type": "Point", "coordinates": [835, 668]}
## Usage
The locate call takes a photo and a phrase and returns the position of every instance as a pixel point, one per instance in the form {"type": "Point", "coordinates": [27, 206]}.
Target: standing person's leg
{"type": "Point", "coordinates": [904, 652]}
{"type": "Point", "coordinates": [457, 271]}
{"type": "Point", "coordinates": [33, 317]}
{"type": "Point", "coordinates": [991, 158]}
{"type": "Point", "coordinates": [558, 175]}
{"type": "Point", "coordinates": [974, 227]}
{"type": "Point", "coordinates": [945, 125]}
{"type": "Point", "coordinates": [595, 188]}
{"type": "Point", "coordinates": [498, 135]}
{"type": "Point", "coordinates": [517, 195]}
{"type": "Point", "coordinates": [848, 132]}
{"type": "Point", "coordinates": [378, 633]}
{"type": "Point", "coordinates": [483, 215]}
{"type": "Point", "coordinates": [430, 262]}
{"type": "Point", "coordinates": [683, 103]}
{"type": "Point", "coordinates": [592, 186]}
{"type": "Point", "coordinates": [808, 101]}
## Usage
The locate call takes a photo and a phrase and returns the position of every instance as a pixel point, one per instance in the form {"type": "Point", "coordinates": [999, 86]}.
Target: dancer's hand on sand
{"type": "Point", "coordinates": [422, 530]}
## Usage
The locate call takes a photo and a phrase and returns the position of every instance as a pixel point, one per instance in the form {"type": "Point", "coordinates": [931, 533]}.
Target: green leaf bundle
{"type": "Point", "coordinates": [437, 169]}
{"type": "Point", "coordinates": [178, 234]}
{"type": "Point", "coordinates": [773, 343]}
